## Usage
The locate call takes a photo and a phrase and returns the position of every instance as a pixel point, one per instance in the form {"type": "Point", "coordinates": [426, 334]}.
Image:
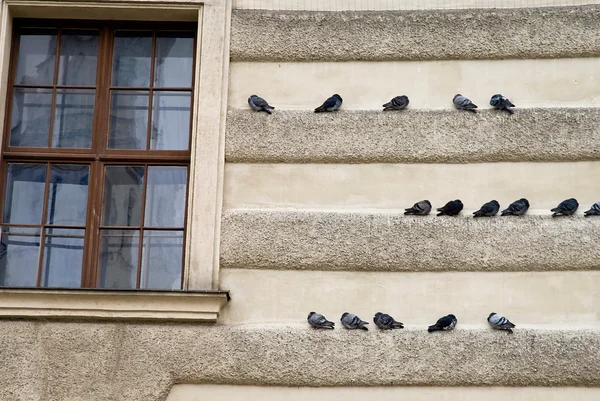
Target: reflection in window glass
{"type": "Point", "coordinates": [161, 260]}
{"type": "Point", "coordinates": [37, 53]}
{"type": "Point", "coordinates": [78, 58]}
{"type": "Point", "coordinates": [30, 117]}
{"type": "Point", "coordinates": [63, 258]}
{"type": "Point", "coordinates": [19, 252]}
{"type": "Point", "coordinates": [132, 57]}
{"type": "Point", "coordinates": [67, 194]}
{"type": "Point", "coordinates": [165, 197]}
{"type": "Point", "coordinates": [119, 251]}
{"type": "Point", "coordinates": [170, 121]}
{"type": "Point", "coordinates": [128, 120]}
{"type": "Point", "coordinates": [174, 60]}
{"type": "Point", "coordinates": [24, 199]}
{"type": "Point", "coordinates": [122, 200]}
{"type": "Point", "coordinates": [73, 118]}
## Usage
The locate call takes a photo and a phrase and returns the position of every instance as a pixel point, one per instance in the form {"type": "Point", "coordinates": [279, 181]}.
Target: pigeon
{"type": "Point", "coordinates": [501, 103]}
{"type": "Point", "coordinates": [386, 322]}
{"type": "Point", "coordinates": [488, 209]}
{"type": "Point", "coordinates": [451, 208]}
{"type": "Point", "coordinates": [318, 321]}
{"type": "Point", "coordinates": [517, 208]}
{"type": "Point", "coordinates": [444, 323]}
{"type": "Point", "coordinates": [397, 103]}
{"type": "Point", "coordinates": [331, 104]}
{"type": "Point", "coordinates": [259, 104]}
{"type": "Point", "coordinates": [463, 103]}
{"type": "Point", "coordinates": [594, 210]}
{"type": "Point", "coordinates": [421, 208]}
{"type": "Point", "coordinates": [566, 207]}
{"type": "Point", "coordinates": [351, 321]}
{"type": "Point", "coordinates": [499, 322]}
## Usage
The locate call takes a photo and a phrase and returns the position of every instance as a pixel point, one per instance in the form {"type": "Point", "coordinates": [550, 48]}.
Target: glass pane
{"type": "Point", "coordinates": [161, 260]}
{"type": "Point", "coordinates": [19, 252]}
{"type": "Point", "coordinates": [131, 59]}
{"type": "Point", "coordinates": [30, 119]}
{"type": "Point", "coordinates": [128, 120]}
{"type": "Point", "coordinates": [63, 258]}
{"type": "Point", "coordinates": [170, 121]}
{"type": "Point", "coordinates": [24, 199]}
{"type": "Point", "coordinates": [73, 118]}
{"type": "Point", "coordinates": [122, 201]}
{"type": "Point", "coordinates": [37, 54]}
{"type": "Point", "coordinates": [67, 195]}
{"type": "Point", "coordinates": [165, 196]}
{"type": "Point", "coordinates": [78, 58]}
{"type": "Point", "coordinates": [174, 60]}
{"type": "Point", "coordinates": [119, 258]}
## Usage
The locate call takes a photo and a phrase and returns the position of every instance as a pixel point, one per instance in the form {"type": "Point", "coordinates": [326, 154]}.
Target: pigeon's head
{"type": "Point", "coordinates": [426, 201]}
{"type": "Point", "coordinates": [336, 96]}
{"type": "Point", "coordinates": [253, 96]}
{"type": "Point", "coordinates": [495, 202]}
{"type": "Point", "coordinates": [344, 314]}
{"type": "Point", "coordinates": [310, 314]}
{"type": "Point", "coordinates": [525, 201]}
{"type": "Point", "coordinates": [455, 96]}
{"type": "Point", "coordinates": [458, 202]}
{"type": "Point", "coordinates": [377, 315]}
{"type": "Point", "coordinates": [452, 316]}
{"type": "Point", "coordinates": [491, 314]}
{"type": "Point", "coordinates": [495, 100]}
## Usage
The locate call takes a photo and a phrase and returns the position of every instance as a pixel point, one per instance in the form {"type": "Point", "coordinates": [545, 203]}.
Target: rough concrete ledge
{"type": "Point", "coordinates": [131, 362]}
{"type": "Point", "coordinates": [413, 136]}
{"type": "Point", "coordinates": [353, 241]}
{"type": "Point", "coordinates": [555, 32]}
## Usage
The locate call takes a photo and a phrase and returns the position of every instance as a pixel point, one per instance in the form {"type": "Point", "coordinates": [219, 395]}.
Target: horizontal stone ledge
{"type": "Point", "coordinates": [130, 362]}
{"type": "Point", "coordinates": [355, 241]}
{"type": "Point", "coordinates": [413, 136]}
{"type": "Point", "coordinates": [557, 32]}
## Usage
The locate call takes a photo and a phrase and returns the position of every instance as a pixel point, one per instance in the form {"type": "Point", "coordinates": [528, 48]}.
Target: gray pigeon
{"type": "Point", "coordinates": [318, 321]}
{"type": "Point", "coordinates": [594, 210]}
{"type": "Point", "coordinates": [420, 208]}
{"type": "Point", "coordinates": [386, 322]}
{"type": "Point", "coordinates": [397, 103]}
{"type": "Point", "coordinates": [463, 103]}
{"type": "Point", "coordinates": [352, 322]}
{"type": "Point", "coordinates": [517, 208]}
{"type": "Point", "coordinates": [499, 322]}
{"type": "Point", "coordinates": [488, 209]}
{"type": "Point", "coordinates": [501, 103]}
{"type": "Point", "coordinates": [566, 207]}
{"type": "Point", "coordinates": [444, 323]}
{"type": "Point", "coordinates": [259, 104]}
{"type": "Point", "coordinates": [331, 104]}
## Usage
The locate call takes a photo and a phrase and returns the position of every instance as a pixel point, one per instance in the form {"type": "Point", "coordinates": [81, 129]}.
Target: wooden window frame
{"type": "Point", "coordinates": [99, 155]}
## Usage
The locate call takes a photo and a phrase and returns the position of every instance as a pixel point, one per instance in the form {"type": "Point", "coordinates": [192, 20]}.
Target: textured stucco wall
{"type": "Point", "coordinates": [415, 35]}
{"type": "Point", "coordinates": [413, 136]}
{"type": "Point", "coordinates": [138, 362]}
{"type": "Point", "coordinates": [309, 240]}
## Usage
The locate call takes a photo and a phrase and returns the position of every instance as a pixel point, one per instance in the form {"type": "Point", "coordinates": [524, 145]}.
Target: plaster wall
{"type": "Point", "coordinates": [366, 85]}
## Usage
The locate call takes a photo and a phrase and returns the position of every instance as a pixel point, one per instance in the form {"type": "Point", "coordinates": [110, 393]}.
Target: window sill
{"type": "Point", "coordinates": [189, 306]}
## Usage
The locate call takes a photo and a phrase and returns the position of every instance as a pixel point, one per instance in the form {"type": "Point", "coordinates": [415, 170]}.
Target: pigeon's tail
{"type": "Point", "coordinates": [478, 213]}
{"type": "Point", "coordinates": [412, 211]}
{"type": "Point", "coordinates": [509, 331]}
{"type": "Point", "coordinates": [388, 105]}
{"type": "Point", "coordinates": [320, 109]}
{"type": "Point", "coordinates": [267, 110]}
{"type": "Point", "coordinates": [506, 213]}
{"type": "Point", "coordinates": [591, 212]}
{"type": "Point", "coordinates": [397, 325]}
{"type": "Point", "coordinates": [441, 213]}
{"type": "Point", "coordinates": [328, 324]}
{"type": "Point", "coordinates": [472, 109]}
{"type": "Point", "coordinates": [509, 110]}
{"type": "Point", "coordinates": [433, 328]}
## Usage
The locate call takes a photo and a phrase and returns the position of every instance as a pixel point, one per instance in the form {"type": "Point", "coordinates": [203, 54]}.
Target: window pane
{"type": "Point", "coordinates": [122, 202]}
{"type": "Point", "coordinates": [73, 118]}
{"type": "Point", "coordinates": [170, 121]}
{"type": "Point", "coordinates": [30, 120]}
{"type": "Point", "coordinates": [67, 195]}
{"type": "Point", "coordinates": [165, 196]}
{"type": "Point", "coordinates": [128, 120]}
{"type": "Point", "coordinates": [78, 58]}
{"type": "Point", "coordinates": [161, 260]}
{"type": "Point", "coordinates": [119, 258]}
{"type": "Point", "coordinates": [174, 60]}
{"type": "Point", "coordinates": [24, 199]}
{"type": "Point", "coordinates": [37, 54]}
{"type": "Point", "coordinates": [19, 251]}
{"type": "Point", "coordinates": [132, 58]}
{"type": "Point", "coordinates": [63, 258]}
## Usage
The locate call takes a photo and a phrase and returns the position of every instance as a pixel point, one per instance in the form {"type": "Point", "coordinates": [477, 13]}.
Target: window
{"type": "Point", "coordinates": [96, 155]}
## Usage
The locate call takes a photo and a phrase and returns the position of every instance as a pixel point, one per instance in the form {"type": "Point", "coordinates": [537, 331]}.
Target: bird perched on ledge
{"type": "Point", "coordinates": [386, 322]}
{"type": "Point", "coordinates": [331, 104]}
{"type": "Point", "coordinates": [488, 209]}
{"type": "Point", "coordinates": [397, 103]}
{"type": "Point", "coordinates": [352, 322]}
{"type": "Point", "coordinates": [420, 208]}
{"type": "Point", "coordinates": [565, 208]}
{"type": "Point", "coordinates": [501, 103]}
{"type": "Point", "coordinates": [451, 208]}
{"type": "Point", "coordinates": [257, 103]}
{"type": "Point", "coordinates": [594, 210]}
{"type": "Point", "coordinates": [517, 208]}
{"type": "Point", "coordinates": [318, 321]}
{"type": "Point", "coordinates": [463, 103]}
{"type": "Point", "coordinates": [445, 323]}
{"type": "Point", "coordinates": [499, 322]}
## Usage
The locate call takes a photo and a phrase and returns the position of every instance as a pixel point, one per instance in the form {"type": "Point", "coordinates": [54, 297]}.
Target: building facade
{"type": "Point", "coordinates": [162, 241]}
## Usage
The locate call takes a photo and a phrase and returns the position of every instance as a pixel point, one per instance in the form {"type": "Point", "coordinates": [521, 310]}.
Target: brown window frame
{"type": "Point", "coordinates": [98, 156]}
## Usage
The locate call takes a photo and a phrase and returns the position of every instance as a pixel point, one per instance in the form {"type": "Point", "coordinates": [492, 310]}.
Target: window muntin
{"type": "Point", "coordinates": [99, 119]}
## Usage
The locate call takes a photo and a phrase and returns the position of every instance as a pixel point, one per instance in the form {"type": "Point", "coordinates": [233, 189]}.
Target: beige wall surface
{"type": "Point", "coordinates": [529, 299]}
{"type": "Point", "coordinates": [428, 84]}
{"type": "Point", "coordinates": [190, 392]}
{"type": "Point", "coordinates": [393, 187]}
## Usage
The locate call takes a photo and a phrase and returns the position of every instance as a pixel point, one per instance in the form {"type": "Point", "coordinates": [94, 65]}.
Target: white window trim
{"type": "Point", "coordinates": [201, 266]}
